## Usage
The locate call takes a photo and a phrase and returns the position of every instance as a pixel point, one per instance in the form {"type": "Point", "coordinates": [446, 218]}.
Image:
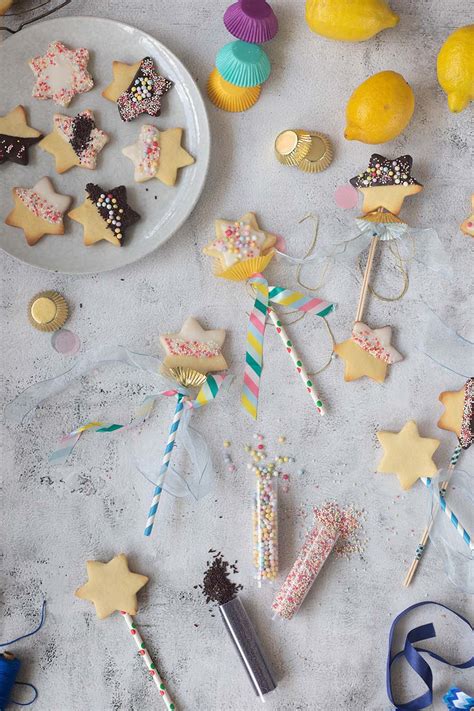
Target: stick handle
{"type": "Point", "coordinates": [165, 464]}
{"type": "Point", "coordinates": [449, 513]}
{"type": "Point", "coordinates": [150, 665]}
{"type": "Point", "coordinates": [421, 547]}
{"type": "Point", "coordinates": [365, 280]}
{"type": "Point", "coordinates": [301, 370]}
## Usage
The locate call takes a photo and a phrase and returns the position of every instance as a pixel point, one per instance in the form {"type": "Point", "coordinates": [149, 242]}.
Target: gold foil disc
{"type": "Point", "coordinates": [291, 146]}
{"type": "Point", "coordinates": [48, 311]}
{"type": "Point", "coordinates": [187, 377]}
{"type": "Point", "coordinates": [320, 154]}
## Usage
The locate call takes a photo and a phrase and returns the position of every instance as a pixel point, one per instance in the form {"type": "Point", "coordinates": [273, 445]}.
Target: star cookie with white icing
{"type": "Point", "coordinates": [38, 211]}
{"type": "Point", "coordinates": [158, 154]}
{"type": "Point", "coordinates": [194, 347]}
{"type": "Point", "coordinates": [367, 352]}
{"type": "Point", "coordinates": [239, 240]}
{"type": "Point", "coordinates": [75, 140]}
{"type": "Point", "coordinates": [61, 73]}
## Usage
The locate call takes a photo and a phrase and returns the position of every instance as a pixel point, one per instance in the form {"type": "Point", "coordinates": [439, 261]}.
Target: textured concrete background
{"type": "Point", "coordinates": [332, 655]}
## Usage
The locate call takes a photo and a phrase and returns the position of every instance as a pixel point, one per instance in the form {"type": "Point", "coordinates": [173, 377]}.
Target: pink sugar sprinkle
{"type": "Point", "coordinates": [348, 521]}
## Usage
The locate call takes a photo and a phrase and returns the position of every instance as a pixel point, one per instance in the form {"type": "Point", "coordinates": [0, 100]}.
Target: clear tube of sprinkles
{"type": "Point", "coordinates": [265, 527]}
{"type": "Point", "coordinates": [316, 549]}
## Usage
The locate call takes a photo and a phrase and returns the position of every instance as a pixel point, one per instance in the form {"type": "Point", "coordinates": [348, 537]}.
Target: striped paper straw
{"type": "Point", "coordinates": [300, 369]}
{"type": "Point", "coordinates": [150, 665]}
{"type": "Point", "coordinates": [254, 347]}
{"type": "Point", "coordinates": [165, 464]}
{"type": "Point", "coordinates": [450, 514]}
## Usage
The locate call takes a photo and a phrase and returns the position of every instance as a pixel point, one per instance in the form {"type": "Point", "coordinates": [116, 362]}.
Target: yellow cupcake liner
{"type": "Point", "coordinates": [228, 97]}
{"type": "Point", "coordinates": [48, 311]}
{"type": "Point", "coordinates": [241, 271]}
{"type": "Point", "coordinates": [291, 146]}
{"type": "Point", "coordinates": [319, 156]}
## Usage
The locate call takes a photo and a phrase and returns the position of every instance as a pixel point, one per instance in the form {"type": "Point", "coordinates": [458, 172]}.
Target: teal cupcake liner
{"type": "Point", "coordinates": [243, 64]}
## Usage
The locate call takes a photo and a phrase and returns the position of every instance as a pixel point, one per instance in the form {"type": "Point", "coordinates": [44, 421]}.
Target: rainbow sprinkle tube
{"type": "Point", "coordinates": [265, 525]}
{"type": "Point", "coordinates": [316, 549]}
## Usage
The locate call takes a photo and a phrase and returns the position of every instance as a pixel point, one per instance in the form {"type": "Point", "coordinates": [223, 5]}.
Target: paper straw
{"type": "Point", "coordinates": [450, 514]}
{"type": "Point", "coordinates": [421, 547]}
{"type": "Point", "coordinates": [300, 369]}
{"type": "Point", "coordinates": [150, 665]}
{"type": "Point", "coordinates": [165, 464]}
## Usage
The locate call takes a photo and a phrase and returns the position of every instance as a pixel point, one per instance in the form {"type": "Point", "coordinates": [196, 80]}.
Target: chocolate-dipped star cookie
{"type": "Point", "coordinates": [75, 140]}
{"type": "Point", "coordinates": [158, 154]}
{"type": "Point", "coordinates": [458, 416]}
{"type": "Point", "coordinates": [16, 137]}
{"type": "Point", "coordinates": [137, 88]}
{"type": "Point", "coordinates": [61, 73]}
{"type": "Point", "coordinates": [104, 214]}
{"type": "Point", "coordinates": [386, 183]}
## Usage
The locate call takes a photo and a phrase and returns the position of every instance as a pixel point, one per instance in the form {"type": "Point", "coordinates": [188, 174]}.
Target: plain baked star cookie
{"type": "Point", "coordinates": [407, 455]}
{"type": "Point", "coordinates": [158, 154]}
{"type": "Point", "coordinates": [38, 211]}
{"type": "Point", "coordinates": [367, 352]}
{"type": "Point", "coordinates": [137, 88]}
{"type": "Point", "coordinates": [16, 137]}
{"type": "Point", "coordinates": [104, 214]}
{"type": "Point", "coordinates": [75, 140]}
{"type": "Point", "coordinates": [194, 347]}
{"type": "Point", "coordinates": [112, 587]}
{"type": "Point", "coordinates": [61, 73]}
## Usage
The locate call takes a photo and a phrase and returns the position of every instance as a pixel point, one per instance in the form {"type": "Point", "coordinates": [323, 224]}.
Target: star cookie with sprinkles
{"type": "Point", "coordinates": [38, 211]}
{"type": "Point", "coordinates": [137, 88]}
{"type": "Point", "coordinates": [458, 416]}
{"type": "Point", "coordinates": [61, 73]}
{"type": "Point", "coordinates": [467, 226]}
{"type": "Point", "coordinates": [16, 137]}
{"type": "Point", "coordinates": [75, 140]}
{"type": "Point", "coordinates": [407, 455]}
{"type": "Point", "coordinates": [386, 183]}
{"type": "Point", "coordinates": [239, 241]}
{"type": "Point", "coordinates": [367, 353]}
{"type": "Point", "coordinates": [194, 347]}
{"type": "Point", "coordinates": [158, 154]}
{"type": "Point", "coordinates": [104, 214]}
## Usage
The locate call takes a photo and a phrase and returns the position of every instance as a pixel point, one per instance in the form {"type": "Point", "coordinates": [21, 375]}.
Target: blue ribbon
{"type": "Point", "coordinates": [413, 656]}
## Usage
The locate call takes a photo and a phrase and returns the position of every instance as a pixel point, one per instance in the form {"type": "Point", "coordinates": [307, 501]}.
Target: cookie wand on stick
{"type": "Point", "coordinates": [112, 587]}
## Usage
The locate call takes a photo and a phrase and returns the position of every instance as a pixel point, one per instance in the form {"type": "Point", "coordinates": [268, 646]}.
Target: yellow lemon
{"type": "Point", "coordinates": [455, 67]}
{"type": "Point", "coordinates": [379, 109]}
{"type": "Point", "coordinates": [349, 20]}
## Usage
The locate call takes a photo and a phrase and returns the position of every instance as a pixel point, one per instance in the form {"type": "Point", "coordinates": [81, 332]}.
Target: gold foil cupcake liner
{"type": "Point", "coordinates": [241, 271]}
{"type": "Point", "coordinates": [291, 146]}
{"type": "Point", "coordinates": [48, 311]}
{"type": "Point", "coordinates": [383, 216]}
{"type": "Point", "coordinates": [320, 154]}
{"type": "Point", "coordinates": [187, 377]}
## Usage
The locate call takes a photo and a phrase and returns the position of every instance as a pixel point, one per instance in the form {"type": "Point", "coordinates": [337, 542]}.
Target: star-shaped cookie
{"type": "Point", "coordinates": [75, 140]}
{"type": "Point", "coordinates": [386, 183]}
{"type": "Point", "coordinates": [38, 211]}
{"type": "Point", "coordinates": [137, 88]}
{"type": "Point", "coordinates": [367, 353]}
{"type": "Point", "coordinates": [407, 455]}
{"type": "Point", "coordinates": [194, 347]}
{"type": "Point", "coordinates": [239, 240]}
{"type": "Point", "coordinates": [16, 137]}
{"type": "Point", "coordinates": [467, 226]}
{"type": "Point", "coordinates": [112, 587]}
{"type": "Point", "coordinates": [61, 73]}
{"type": "Point", "coordinates": [458, 416]}
{"type": "Point", "coordinates": [158, 154]}
{"type": "Point", "coordinates": [104, 214]}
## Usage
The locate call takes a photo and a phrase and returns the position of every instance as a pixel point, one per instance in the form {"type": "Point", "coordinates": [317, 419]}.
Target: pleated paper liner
{"type": "Point", "coordinates": [291, 146]}
{"type": "Point", "coordinates": [241, 271]}
{"type": "Point", "coordinates": [383, 216]}
{"type": "Point", "coordinates": [229, 97]}
{"type": "Point", "coordinates": [243, 64]}
{"type": "Point", "coordinates": [48, 311]}
{"type": "Point", "coordinates": [251, 21]}
{"type": "Point", "coordinates": [320, 154]}
{"type": "Point", "coordinates": [187, 377]}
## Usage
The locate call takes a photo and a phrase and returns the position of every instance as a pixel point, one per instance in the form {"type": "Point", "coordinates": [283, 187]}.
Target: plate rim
{"type": "Point", "coordinates": [206, 126]}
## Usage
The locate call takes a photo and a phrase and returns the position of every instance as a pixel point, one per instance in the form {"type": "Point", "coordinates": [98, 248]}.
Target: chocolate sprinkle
{"type": "Point", "coordinates": [126, 218]}
{"type": "Point", "coordinates": [82, 128]}
{"type": "Point", "coordinates": [217, 586]}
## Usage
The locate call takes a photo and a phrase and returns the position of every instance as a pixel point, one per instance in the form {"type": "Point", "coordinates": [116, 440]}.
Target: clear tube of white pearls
{"type": "Point", "coordinates": [265, 524]}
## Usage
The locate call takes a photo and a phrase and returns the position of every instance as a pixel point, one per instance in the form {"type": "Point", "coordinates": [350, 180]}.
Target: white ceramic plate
{"type": "Point", "coordinates": [163, 209]}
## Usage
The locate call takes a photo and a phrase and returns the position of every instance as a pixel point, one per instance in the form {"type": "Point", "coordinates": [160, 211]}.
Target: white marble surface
{"type": "Point", "coordinates": [331, 656]}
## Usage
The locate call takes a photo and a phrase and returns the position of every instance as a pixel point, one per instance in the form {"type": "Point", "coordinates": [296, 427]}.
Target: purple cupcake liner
{"type": "Point", "coordinates": [251, 21]}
